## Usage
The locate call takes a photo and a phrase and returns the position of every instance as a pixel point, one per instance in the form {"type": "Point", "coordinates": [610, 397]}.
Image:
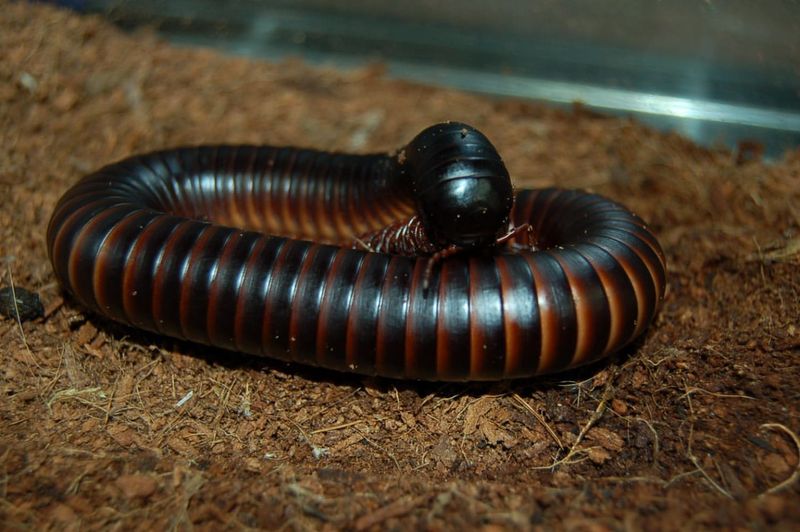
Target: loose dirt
{"type": "Point", "coordinates": [103, 426]}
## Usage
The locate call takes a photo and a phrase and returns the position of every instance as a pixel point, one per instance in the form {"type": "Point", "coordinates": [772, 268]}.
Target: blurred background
{"type": "Point", "coordinates": [719, 72]}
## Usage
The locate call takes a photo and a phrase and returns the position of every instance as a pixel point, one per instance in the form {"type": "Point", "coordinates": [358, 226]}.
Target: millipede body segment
{"type": "Point", "coordinates": [249, 248]}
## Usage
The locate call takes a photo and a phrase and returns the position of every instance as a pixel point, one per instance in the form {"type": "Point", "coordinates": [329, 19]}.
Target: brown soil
{"type": "Point", "coordinates": [695, 427]}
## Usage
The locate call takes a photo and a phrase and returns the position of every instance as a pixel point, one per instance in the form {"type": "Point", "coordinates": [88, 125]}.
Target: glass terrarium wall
{"type": "Point", "coordinates": [717, 72]}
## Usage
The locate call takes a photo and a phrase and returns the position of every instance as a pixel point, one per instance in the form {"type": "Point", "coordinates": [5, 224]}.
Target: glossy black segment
{"type": "Point", "coordinates": [140, 269]}
{"type": "Point", "coordinates": [453, 328]}
{"type": "Point", "coordinates": [462, 188]}
{"type": "Point", "coordinates": [589, 293]}
{"type": "Point", "coordinates": [331, 348]}
{"type": "Point", "coordinates": [363, 330]}
{"type": "Point", "coordinates": [252, 301]}
{"type": "Point", "coordinates": [488, 345]}
{"type": "Point", "coordinates": [521, 318]}
{"type": "Point", "coordinates": [618, 285]}
{"type": "Point", "coordinates": [112, 261]}
{"type": "Point", "coordinates": [284, 285]}
{"type": "Point", "coordinates": [226, 287]}
{"type": "Point", "coordinates": [169, 274]}
{"type": "Point", "coordinates": [558, 295]}
{"type": "Point", "coordinates": [392, 317]}
{"type": "Point", "coordinates": [308, 301]}
{"type": "Point", "coordinates": [200, 273]}
{"type": "Point", "coordinates": [161, 241]}
{"type": "Point", "coordinates": [86, 248]}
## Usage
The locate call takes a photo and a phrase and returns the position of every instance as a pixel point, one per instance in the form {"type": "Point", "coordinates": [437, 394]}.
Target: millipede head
{"type": "Point", "coordinates": [462, 188]}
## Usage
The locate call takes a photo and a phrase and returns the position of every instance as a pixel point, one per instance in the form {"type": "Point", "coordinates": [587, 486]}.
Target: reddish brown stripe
{"type": "Point", "coordinates": [392, 315]}
{"type": "Point", "coordinates": [111, 259]}
{"type": "Point", "coordinates": [280, 296]}
{"type": "Point", "coordinates": [137, 278]}
{"type": "Point", "coordinates": [125, 243]}
{"type": "Point", "coordinates": [453, 324]}
{"type": "Point", "coordinates": [336, 304]}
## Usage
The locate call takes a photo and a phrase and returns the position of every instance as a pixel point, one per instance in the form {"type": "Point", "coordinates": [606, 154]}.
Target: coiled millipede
{"type": "Point", "coordinates": [180, 242]}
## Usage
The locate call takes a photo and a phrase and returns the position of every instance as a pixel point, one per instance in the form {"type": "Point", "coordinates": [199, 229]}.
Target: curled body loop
{"type": "Point", "coordinates": [249, 248]}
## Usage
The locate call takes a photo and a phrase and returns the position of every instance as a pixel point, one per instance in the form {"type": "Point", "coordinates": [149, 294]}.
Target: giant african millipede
{"type": "Point", "coordinates": [250, 249]}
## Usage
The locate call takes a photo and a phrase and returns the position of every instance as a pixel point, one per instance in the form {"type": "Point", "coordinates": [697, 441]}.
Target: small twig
{"type": "Point", "coordinates": [539, 418]}
{"type": "Point", "coordinates": [596, 416]}
{"type": "Point", "coordinates": [364, 245]}
{"type": "Point", "coordinates": [375, 445]}
{"type": "Point", "coordinates": [316, 451]}
{"type": "Point", "coordinates": [110, 402]}
{"type": "Point", "coordinates": [16, 314]}
{"type": "Point", "coordinates": [183, 400]}
{"type": "Point", "coordinates": [625, 480]}
{"type": "Point", "coordinates": [337, 427]}
{"type": "Point", "coordinates": [715, 394]}
{"type": "Point", "coordinates": [330, 405]}
{"type": "Point", "coordinates": [598, 413]}
{"type": "Point", "coordinates": [796, 474]}
{"type": "Point", "coordinates": [679, 476]}
{"type": "Point", "coordinates": [696, 463]}
{"type": "Point", "coordinates": [77, 395]}
{"type": "Point", "coordinates": [396, 508]}
{"type": "Point", "coordinates": [655, 435]}
{"type": "Point", "coordinates": [760, 262]}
